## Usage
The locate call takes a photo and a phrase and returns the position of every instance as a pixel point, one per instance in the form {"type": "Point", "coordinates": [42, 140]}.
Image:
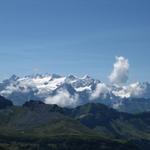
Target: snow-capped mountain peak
{"type": "Point", "coordinates": [68, 90]}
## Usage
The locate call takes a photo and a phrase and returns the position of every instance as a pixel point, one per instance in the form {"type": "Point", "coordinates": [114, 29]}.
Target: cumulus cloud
{"type": "Point", "coordinates": [101, 91]}
{"type": "Point", "coordinates": [120, 71]}
{"type": "Point", "coordinates": [63, 99]}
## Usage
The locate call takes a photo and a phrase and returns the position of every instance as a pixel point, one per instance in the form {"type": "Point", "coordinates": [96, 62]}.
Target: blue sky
{"type": "Point", "coordinates": [74, 37]}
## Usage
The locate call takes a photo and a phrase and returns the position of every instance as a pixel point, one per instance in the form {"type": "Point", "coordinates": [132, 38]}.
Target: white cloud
{"type": "Point", "coordinates": [15, 88]}
{"type": "Point", "coordinates": [101, 91]}
{"type": "Point", "coordinates": [133, 90]}
{"type": "Point", "coordinates": [63, 99]}
{"type": "Point", "coordinates": [120, 71]}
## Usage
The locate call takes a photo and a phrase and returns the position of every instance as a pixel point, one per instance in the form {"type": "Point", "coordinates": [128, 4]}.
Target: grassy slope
{"type": "Point", "coordinates": [113, 124]}
{"type": "Point", "coordinates": [92, 125]}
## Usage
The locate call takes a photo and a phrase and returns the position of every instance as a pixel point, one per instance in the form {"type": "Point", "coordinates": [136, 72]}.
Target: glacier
{"type": "Point", "coordinates": [69, 91]}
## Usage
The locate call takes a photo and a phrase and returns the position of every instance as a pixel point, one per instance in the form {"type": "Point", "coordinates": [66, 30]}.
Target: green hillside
{"type": "Point", "coordinates": [36, 125]}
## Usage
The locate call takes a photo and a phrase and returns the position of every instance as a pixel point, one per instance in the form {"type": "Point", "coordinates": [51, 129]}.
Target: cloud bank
{"type": "Point", "coordinates": [120, 71]}
{"type": "Point", "coordinates": [63, 99]}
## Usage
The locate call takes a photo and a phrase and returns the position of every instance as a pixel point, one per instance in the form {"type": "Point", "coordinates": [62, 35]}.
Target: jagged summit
{"type": "Point", "coordinates": [69, 91]}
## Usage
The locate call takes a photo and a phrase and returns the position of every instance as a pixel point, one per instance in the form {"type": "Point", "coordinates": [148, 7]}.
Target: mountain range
{"type": "Point", "coordinates": [71, 91]}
